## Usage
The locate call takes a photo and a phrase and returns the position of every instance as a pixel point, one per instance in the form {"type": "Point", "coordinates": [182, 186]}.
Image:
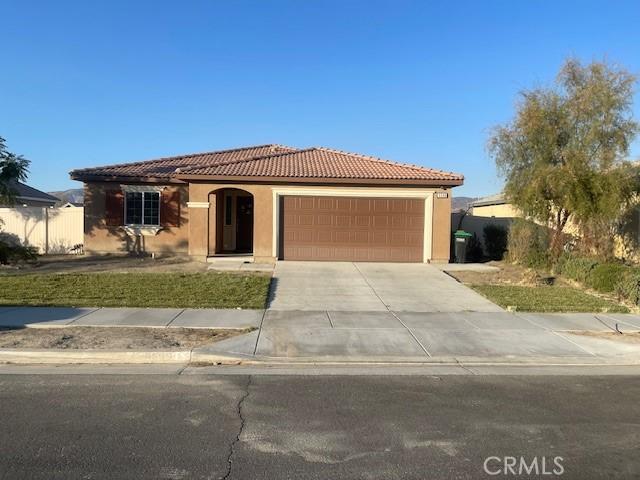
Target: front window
{"type": "Point", "coordinates": [142, 208]}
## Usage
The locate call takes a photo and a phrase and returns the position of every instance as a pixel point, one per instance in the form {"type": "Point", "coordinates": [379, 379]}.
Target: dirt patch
{"type": "Point", "coordinates": [633, 337]}
{"type": "Point", "coordinates": [106, 263]}
{"type": "Point", "coordinates": [116, 338]}
{"type": "Point", "coordinates": [509, 274]}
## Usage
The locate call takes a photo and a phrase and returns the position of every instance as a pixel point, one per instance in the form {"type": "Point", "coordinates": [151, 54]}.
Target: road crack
{"type": "Point", "coordinates": [232, 447]}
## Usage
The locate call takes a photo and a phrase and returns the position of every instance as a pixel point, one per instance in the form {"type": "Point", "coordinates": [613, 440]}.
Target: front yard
{"type": "Point", "coordinates": [522, 289]}
{"type": "Point", "coordinates": [136, 289]}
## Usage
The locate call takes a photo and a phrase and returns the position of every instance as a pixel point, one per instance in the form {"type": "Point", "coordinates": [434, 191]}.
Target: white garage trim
{"type": "Point", "coordinates": [426, 194]}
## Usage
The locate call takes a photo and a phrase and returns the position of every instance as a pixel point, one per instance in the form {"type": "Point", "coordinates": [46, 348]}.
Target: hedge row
{"type": "Point", "coordinates": [618, 278]}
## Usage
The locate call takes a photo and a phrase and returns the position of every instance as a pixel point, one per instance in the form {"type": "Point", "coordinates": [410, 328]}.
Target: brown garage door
{"type": "Point", "coordinates": [352, 229]}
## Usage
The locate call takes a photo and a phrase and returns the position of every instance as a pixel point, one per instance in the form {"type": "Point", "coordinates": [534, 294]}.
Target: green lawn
{"type": "Point", "coordinates": [180, 290]}
{"type": "Point", "coordinates": [547, 299]}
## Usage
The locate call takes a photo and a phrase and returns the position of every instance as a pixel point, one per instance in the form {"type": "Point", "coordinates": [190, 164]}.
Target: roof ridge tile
{"type": "Point", "coordinates": [243, 160]}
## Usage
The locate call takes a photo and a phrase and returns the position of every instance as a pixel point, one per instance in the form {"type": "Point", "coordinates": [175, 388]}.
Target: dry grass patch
{"type": "Point", "coordinates": [114, 338]}
{"type": "Point", "coordinates": [633, 337]}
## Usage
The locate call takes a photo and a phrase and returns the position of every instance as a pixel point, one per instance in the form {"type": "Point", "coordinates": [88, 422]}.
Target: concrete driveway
{"type": "Point", "coordinates": [371, 287]}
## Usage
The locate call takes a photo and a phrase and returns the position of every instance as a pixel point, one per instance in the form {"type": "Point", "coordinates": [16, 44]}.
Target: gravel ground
{"type": "Point", "coordinates": [114, 338]}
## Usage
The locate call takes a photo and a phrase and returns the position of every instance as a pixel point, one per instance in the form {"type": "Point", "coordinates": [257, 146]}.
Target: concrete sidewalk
{"type": "Point", "coordinates": [48, 317]}
{"type": "Point", "coordinates": [373, 336]}
{"type": "Point", "coordinates": [322, 336]}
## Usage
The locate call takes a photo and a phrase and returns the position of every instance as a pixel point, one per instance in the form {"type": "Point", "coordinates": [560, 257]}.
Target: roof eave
{"type": "Point", "coordinates": [322, 180]}
{"type": "Point", "coordinates": [88, 177]}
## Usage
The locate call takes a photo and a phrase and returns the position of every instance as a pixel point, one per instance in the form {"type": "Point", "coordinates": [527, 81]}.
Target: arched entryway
{"type": "Point", "coordinates": [230, 222]}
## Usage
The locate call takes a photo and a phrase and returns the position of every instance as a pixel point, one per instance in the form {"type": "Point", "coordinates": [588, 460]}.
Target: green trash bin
{"type": "Point", "coordinates": [460, 240]}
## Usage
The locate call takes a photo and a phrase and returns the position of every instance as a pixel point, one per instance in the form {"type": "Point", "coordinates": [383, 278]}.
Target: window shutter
{"type": "Point", "coordinates": [170, 208]}
{"type": "Point", "coordinates": [114, 208]}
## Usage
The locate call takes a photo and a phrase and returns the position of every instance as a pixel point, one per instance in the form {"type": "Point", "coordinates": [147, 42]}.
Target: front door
{"type": "Point", "coordinates": [244, 224]}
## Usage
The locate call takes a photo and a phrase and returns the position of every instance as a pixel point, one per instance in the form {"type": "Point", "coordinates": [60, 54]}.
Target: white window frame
{"type": "Point", "coordinates": [144, 189]}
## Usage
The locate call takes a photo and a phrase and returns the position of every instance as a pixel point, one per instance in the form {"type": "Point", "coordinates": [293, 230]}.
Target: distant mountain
{"type": "Point", "coordinates": [73, 195]}
{"type": "Point", "coordinates": [461, 203]}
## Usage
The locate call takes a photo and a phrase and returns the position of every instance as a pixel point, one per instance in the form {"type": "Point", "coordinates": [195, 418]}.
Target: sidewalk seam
{"type": "Point", "coordinates": [574, 343]}
{"type": "Point", "coordinates": [255, 348]}
{"type": "Point", "coordinates": [83, 315]}
{"type": "Point", "coordinates": [174, 318]}
{"type": "Point", "coordinates": [329, 317]}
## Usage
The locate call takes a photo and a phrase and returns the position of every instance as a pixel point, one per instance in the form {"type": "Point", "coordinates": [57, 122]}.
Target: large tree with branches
{"type": "Point", "coordinates": [563, 155]}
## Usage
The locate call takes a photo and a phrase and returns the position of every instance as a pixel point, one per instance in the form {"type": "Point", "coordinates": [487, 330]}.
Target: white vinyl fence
{"type": "Point", "coordinates": [51, 230]}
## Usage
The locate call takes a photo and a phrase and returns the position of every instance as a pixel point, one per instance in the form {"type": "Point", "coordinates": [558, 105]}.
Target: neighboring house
{"type": "Point", "coordinates": [493, 206]}
{"type": "Point", "coordinates": [499, 209]}
{"type": "Point", "coordinates": [270, 202]}
{"type": "Point", "coordinates": [27, 196]}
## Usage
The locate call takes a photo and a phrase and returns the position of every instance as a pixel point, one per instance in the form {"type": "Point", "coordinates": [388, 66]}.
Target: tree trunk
{"type": "Point", "coordinates": [556, 245]}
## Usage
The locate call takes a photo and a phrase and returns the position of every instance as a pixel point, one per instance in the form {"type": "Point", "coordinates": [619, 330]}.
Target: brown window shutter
{"type": "Point", "coordinates": [170, 208]}
{"type": "Point", "coordinates": [114, 208]}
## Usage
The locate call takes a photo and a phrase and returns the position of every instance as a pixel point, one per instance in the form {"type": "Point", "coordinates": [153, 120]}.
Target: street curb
{"type": "Point", "coordinates": [193, 357]}
{"type": "Point", "coordinates": [50, 356]}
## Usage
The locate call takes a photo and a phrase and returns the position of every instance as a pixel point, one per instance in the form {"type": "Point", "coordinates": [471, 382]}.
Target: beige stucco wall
{"type": "Point", "coordinates": [505, 210]}
{"type": "Point", "coordinates": [194, 234]}
{"type": "Point", "coordinates": [100, 238]}
{"type": "Point", "coordinates": [441, 242]}
{"type": "Point", "coordinates": [262, 218]}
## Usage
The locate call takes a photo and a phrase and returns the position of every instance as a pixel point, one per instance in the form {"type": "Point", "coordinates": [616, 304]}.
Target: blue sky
{"type": "Point", "coordinates": [91, 83]}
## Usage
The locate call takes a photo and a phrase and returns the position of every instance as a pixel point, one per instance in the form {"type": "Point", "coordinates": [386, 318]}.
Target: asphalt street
{"type": "Point", "coordinates": [317, 427]}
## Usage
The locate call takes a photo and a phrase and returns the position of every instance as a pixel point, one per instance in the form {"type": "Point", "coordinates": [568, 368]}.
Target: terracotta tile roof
{"type": "Point", "coordinates": [166, 166]}
{"type": "Point", "coordinates": [320, 163]}
{"type": "Point", "coordinates": [275, 162]}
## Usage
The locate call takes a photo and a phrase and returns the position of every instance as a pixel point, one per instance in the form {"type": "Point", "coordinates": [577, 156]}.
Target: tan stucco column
{"type": "Point", "coordinates": [441, 240]}
{"type": "Point", "coordinates": [198, 229]}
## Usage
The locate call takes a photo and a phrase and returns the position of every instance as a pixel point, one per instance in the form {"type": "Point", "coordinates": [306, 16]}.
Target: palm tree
{"type": "Point", "coordinates": [13, 168]}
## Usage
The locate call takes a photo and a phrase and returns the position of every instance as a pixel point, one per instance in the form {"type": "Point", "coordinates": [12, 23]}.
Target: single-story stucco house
{"type": "Point", "coordinates": [271, 202]}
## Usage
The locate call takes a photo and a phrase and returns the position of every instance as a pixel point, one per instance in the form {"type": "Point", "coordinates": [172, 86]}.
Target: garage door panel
{"type": "Point", "coordinates": [353, 229]}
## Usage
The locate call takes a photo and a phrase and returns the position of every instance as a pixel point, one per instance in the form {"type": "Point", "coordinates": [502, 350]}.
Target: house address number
{"type": "Point", "coordinates": [442, 194]}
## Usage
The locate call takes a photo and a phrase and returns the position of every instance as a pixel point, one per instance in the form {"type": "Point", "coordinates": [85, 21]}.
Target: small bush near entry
{"type": "Point", "coordinates": [495, 241]}
{"type": "Point", "coordinates": [578, 268]}
{"type": "Point", "coordinates": [528, 244]}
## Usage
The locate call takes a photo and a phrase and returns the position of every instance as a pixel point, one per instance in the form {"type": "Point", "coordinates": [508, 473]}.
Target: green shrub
{"type": "Point", "coordinates": [474, 249]}
{"type": "Point", "coordinates": [12, 251]}
{"type": "Point", "coordinates": [628, 287]}
{"type": "Point", "coordinates": [605, 276]}
{"type": "Point", "coordinates": [528, 244]}
{"type": "Point", "coordinates": [495, 241]}
{"type": "Point", "coordinates": [578, 268]}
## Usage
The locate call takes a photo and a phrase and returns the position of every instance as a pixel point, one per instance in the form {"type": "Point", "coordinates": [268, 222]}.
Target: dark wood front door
{"type": "Point", "coordinates": [352, 229]}
{"type": "Point", "coordinates": [244, 224]}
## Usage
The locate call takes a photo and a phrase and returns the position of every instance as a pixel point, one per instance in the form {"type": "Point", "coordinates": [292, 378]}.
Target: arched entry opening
{"type": "Point", "coordinates": [230, 222]}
